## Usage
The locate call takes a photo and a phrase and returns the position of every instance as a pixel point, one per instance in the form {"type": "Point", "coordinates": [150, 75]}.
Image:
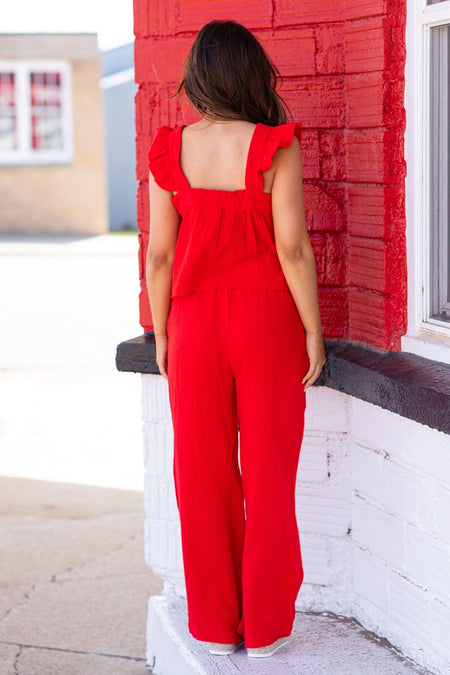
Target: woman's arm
{"type": "Point", "coordinates": [164, 225]}
{"type": "Point", "coordinates": [295, 252]}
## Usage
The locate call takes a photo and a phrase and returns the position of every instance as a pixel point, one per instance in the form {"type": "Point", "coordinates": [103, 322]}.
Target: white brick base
{"type": "Point", "coordinates": [373, 507]}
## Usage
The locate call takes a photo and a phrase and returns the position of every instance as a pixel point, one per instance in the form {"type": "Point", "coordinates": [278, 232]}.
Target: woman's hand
{"type": "Point", "coordinates": [161, 354]}
{"type": "Point", "coordinates": [316, 356]}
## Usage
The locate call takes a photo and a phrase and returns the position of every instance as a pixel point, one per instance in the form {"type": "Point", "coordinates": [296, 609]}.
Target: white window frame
{"type": "Point", "coordinates": [425, 336]}
{"type": "Point", "coordinates": [24, 154]}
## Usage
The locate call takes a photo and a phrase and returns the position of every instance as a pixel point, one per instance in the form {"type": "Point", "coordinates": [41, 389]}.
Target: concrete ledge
{"type": "Point", "coordinates": [320, 643]}
{"type": "Point", "coordinates": [404, 383]}
{"type": "Point", "coordinates": [168, 647]}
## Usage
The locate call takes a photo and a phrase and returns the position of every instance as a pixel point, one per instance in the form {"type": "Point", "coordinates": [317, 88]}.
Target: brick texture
{"type": "Point", "coordinates": [342, 67]}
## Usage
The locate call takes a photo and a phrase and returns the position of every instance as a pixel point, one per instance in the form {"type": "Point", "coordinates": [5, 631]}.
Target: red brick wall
{"type": "Point", "coordinates": [343, 67]}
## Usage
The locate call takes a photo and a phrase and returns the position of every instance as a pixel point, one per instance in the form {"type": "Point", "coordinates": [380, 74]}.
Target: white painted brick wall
{"type": "Point", "coordinates": [441, 500]}
{"type": "Point", "coordinates": [401, 534]}
{"type": "Point", "coordinates": [373, 508]}
{"type": "Point", "coordinates": [370, 428]}
{"type": "Point", "coordinates": [440, 630]}
{"type": "Point", "coordinates": [427, 561]}
{"type": "Point", "coordinates": [370, 583]}
{"type": "Point", "coordinates": [409, 607]}
{"type": "Point", "coordinates": [405, 494]}
{"type": "Point", "coordinates": [379, 533]}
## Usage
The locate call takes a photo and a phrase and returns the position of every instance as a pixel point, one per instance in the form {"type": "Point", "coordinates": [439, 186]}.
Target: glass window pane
{"type": "Point", "coordinates": [8, 113]}
{"type": "Point", "coordinates": [46, 110]}
{"type": "Point", "coordinates": [440, 173]}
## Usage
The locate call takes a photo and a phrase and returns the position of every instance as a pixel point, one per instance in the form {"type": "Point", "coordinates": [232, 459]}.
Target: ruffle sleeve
{"type": "Point", "coordinates": [280, 136]}
{"type": "Point", "coordinates": [159, 158]}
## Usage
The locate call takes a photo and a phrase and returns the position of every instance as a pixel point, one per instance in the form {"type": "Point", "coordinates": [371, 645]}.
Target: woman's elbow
{"type": "Point", "coordinates": [291, 254]}
{"type": "Point", "coordinates": [157, 260]}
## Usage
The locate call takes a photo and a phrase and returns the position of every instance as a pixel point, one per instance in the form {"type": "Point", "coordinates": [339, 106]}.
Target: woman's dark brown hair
{"type": "Point", "coordinates": [229, 76]}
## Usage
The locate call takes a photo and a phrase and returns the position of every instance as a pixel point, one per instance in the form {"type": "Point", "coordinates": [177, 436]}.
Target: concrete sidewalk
{"type": "Point", "coordinates": [74, 585]}
{"type": "Point", "coordinates": [73, 582]}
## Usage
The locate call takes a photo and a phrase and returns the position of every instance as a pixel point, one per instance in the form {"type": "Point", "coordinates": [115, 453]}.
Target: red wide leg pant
{"type": "Point", "coordinates": [236, 358]}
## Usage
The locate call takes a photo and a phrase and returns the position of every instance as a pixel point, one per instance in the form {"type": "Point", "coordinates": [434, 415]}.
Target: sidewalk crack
{"type": "Point", "coordinates": [16, 659]}
{"type": "Point", "coordinates": [23, 646]}
{"type": "Point", "coordinates": [25, 597]}
{"type": "Point", "coordinates": [120, 546]}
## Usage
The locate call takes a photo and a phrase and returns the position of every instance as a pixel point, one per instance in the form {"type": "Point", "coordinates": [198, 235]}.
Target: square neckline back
{"type": "Point", "coordinates": [216, 190]}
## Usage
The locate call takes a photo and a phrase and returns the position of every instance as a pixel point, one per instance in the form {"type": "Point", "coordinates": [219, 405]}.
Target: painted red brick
{"type": "Point", "coordinates": [330, 57]}
{"type": "Point", "coordinates": [332, 156]}
{"type": "Point", "coordinates": [366, 212]}
{"type": "Point", "coordinates": [317, 102]}
{"type": "Point", "coordinates": [336, 260]}
{"type": "Point", "coordinates": [143, 215]}
{"type": "Point", "coordinates": [395, 217]}
{"type": "Point", "coordinates": [368, 318]}
{"type": "Point", "coordinates": [333, 307]}
{"type": "Point", "coordinates": [394, 152]}
{"type": "Point", "coordinates": [396, 275]}
{"type": "Point", "coordinates": [394, 111]}
{"type": "Point", "coordinates": [160, 60]}
{"type": "Point", "coordinates": [193, 14]}
{"type": "Point", "coordinates": [310, 154]}
{"type": "Point", "coordinates": [365, 97]}
{"type": "Point", "coordinates": [155, 106]}
{"type": "Point", "coordinates": [324, 207]}
{"type": "Point", "coordinates": [144, 309]}
{"type": "Point", "coordinates": [367, 264]}
{"type": "Point", "coordinates": [292, 12]}
{"type": "Point", "coordinates": [153, 18]}
{"type": "Point", "coordinates": [294, 51]}
{"type": "Point", "coordinates": [365, 156]}
{"type": "Point", "coordinates": [319, 245]}
{"type": "Point", "coordinates": [365, 45]}
{"type": "Point", "coordinates": [142, 146]}
{"type": "Point", "coordinates": [361, 9]}
{"type": "Point", "coordinates": [143, 245]}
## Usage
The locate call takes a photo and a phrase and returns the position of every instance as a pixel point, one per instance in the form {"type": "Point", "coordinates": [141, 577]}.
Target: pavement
{"type": "Point", "coordinates": [74, 584]}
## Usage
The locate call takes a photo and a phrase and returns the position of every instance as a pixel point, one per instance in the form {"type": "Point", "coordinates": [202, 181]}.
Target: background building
{"type": "Point", "coordinates": [119, 90]}
{"type": "Point", "coordinates": [52, 146]}
{"type": "Point", "coordinates": [369, 81]}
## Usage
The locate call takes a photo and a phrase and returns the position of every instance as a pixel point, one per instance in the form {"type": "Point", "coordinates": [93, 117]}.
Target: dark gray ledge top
{"type": "Point", "coordinates": [404, 383]}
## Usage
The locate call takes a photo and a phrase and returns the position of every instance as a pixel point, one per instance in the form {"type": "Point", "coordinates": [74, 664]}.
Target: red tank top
{"type": "Point", "coordinates": [226, 237]}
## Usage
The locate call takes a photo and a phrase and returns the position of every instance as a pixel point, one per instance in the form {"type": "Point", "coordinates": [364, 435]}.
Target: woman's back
{"type": "Point", "coordinates": [214, 156]}
{"type": "Point", "coordinates": [220, 176]}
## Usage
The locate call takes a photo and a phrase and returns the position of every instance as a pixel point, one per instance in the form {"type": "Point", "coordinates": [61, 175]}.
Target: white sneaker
{"type": "Point", "coordinates": [269, 649]}
{"type": "Point", "coordinates": [221, 649]}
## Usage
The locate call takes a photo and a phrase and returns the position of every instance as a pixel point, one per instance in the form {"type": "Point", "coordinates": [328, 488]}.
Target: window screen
{"type": "Point", "coordinates": [440, 174]}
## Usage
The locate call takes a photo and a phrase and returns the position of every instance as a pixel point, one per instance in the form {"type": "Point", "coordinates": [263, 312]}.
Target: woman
{"type": "Point", "coordinates": [233, 293]}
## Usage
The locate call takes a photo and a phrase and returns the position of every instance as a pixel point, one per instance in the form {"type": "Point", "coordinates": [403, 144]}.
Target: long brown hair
{"type": "Point", "coordinates": [229, 76]}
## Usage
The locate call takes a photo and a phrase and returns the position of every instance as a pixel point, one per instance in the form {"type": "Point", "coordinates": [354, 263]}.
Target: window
{"type": "Point", "coordinates": [427, 149]}
{"type": "Point", "coordinates": [35, 112]}
{"type": "Point", "coordinates": [439, 173]}
{"type": "Point", "coordinates": [8, 112]}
